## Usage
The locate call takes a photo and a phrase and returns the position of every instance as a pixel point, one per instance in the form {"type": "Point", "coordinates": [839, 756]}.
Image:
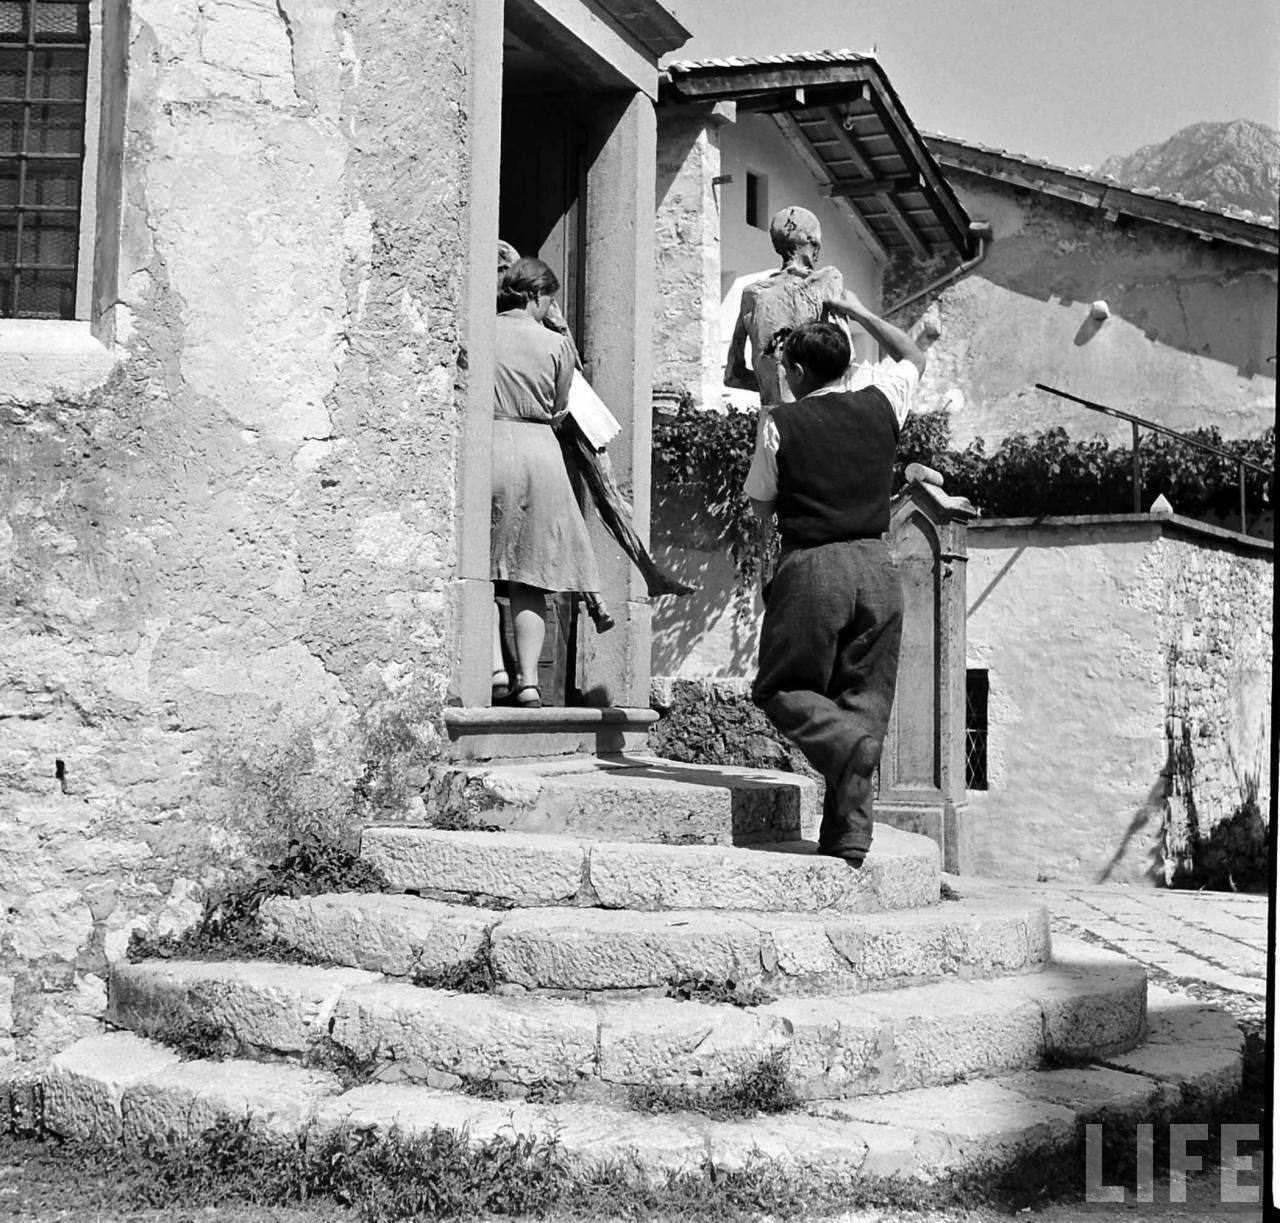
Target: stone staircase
{"type": "Point", "coordinates": [915, 1031]}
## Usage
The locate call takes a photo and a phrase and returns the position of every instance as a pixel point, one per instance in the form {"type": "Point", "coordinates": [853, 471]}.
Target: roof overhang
{"type": "Point", "coordinates": [1107, 197]}
{"type": "Point", "coordinates": [839, 112]}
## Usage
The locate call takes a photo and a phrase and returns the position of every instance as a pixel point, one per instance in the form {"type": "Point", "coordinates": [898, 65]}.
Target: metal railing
{"type": "Point", "coordinates": [1139, 423]}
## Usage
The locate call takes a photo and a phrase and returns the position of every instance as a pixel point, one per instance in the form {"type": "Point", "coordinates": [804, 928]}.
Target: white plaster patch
{"type": "Point", "coordinates": [248, 219]}
{"type": "Point", "coordinates": [53, 923]}
{"type": "Point", "coordinates": [249, 40]}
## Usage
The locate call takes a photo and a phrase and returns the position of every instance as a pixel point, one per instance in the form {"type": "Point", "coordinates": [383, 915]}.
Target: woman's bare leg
{"type": "Point", "coordinates": [529, 613]}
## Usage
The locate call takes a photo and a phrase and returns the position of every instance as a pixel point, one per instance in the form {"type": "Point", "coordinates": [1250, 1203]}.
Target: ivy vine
{"type": "Point", "coordinates": [708, 454]}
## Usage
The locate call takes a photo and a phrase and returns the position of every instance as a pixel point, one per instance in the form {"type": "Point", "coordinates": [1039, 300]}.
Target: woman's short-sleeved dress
{"type": "Point", "coordinates": [538, 535]}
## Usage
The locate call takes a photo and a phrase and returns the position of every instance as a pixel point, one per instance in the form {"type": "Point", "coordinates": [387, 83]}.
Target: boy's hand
{"type": "Point", "coordinates": [847, 303]}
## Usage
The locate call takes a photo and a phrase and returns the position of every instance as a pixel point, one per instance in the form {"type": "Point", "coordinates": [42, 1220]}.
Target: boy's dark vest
{"type": "Point", "coordinates": [835, 467]}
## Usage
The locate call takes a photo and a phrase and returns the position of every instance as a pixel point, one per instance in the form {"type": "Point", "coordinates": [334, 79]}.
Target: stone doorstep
{"type": "Point", "coordinates": [924, 1134]}
{"type": "Point", "coordinates": [881, 1042]}
{"type": "Point", "coordinates": [642, 798]}
{"type": "Point", "coordinates": [506, 733]}
{"type": "Point", "coordinates": [583, 951]}
{"type": "Point", "coordinates": [529, 869]}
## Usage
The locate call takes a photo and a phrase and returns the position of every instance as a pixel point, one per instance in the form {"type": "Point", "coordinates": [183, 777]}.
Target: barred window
{"type": "Point", "coordinates": [977, 691]}
{"type": "Point", "coordinates": [44, 69]}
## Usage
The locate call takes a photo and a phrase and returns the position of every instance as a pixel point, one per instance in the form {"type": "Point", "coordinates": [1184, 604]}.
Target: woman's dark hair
{"type": "Point", "coordinates": [822, 348]}
{"type": "Point", "coordinates": [524, 280]}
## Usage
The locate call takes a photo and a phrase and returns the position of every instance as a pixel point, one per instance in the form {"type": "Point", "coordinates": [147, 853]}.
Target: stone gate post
{"type": "Point", "coordinates": [922, 769]}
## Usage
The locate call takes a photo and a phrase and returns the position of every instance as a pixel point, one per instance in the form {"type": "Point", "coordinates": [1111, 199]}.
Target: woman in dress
{"type": "Point", "coordinates": [539, 541]}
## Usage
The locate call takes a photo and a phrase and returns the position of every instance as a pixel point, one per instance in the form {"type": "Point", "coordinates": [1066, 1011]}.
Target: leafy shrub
{"type": "Point", "coordinates": [761, 1089]}
{"type": "Point", "coordinates": [1026, 475]}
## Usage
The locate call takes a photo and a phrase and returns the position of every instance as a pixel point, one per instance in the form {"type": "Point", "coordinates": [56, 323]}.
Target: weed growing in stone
{"type": "Point", "coordinates": [761, 1089]}
{"type": "Point", "coordinates": [229, 927]}
{"type": "Point", "coordinates": [473, 976]}
{"type": "Point", "coordinates": [947, 892]}
{"type": "Point", "coordinates": [193, 1037]}
{"type": "Point", "coordinates": [349, 1067]}
{"type": "Point", "coordinates": [707, 989]}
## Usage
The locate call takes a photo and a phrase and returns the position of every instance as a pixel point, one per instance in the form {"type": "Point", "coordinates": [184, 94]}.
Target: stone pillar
{"type": "Point", "coordinates": [686, 338]}
{"type": "Point", "coordinates": [922, 770]}
{"type": "Point", "coordinates": [473, 591]}
{"type": "Point", "coordinates": [618, 317]}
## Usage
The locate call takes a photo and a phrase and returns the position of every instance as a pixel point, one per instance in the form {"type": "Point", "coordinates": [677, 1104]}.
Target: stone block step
{"type": "Point", "coordinates": [581, 950]}
{"type": "Point", "coordinates": [528, 869]}
{"type": "Point", "coordinates": [638, 798]}
{"type": "Point", "coordinates": [1085, 1003]}
{"type": "Point", "coordinates": [120, 1088]}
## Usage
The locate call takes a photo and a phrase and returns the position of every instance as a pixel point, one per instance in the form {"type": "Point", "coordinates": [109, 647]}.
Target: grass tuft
{"type": "Point", "coordinates": [473, 976]}
{"type": "Point", "coordinates": [761, 1089]}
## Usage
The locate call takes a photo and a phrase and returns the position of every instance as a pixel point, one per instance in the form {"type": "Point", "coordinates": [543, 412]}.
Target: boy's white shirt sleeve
{"type": "Point", "coordinates": [762, 479]}
{"type": "Point", "coordinates": [897, 380]}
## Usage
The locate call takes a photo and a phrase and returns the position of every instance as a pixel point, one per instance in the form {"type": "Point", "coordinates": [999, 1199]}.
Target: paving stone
{"type": "Point", "coordinates": [1196, 1049]}
{"type": "Point", "coordinates": [587, 949]}
{"type": "Point", "coordinates": [595, 949]}
{"type": "Point", "coordinates": [900, 1040]}
{"type": "Point", "coordinates": [278, 1007]}
{"type": "Point", "coordinates": [1097, 1092]}
{"type": "Point", "coordinates": [668, 803]}
{"type": "Point", "coordinates": [903, 875]}
{"type": "Point", "coordinates": [962, 1125]}
{"type": "Point", "coordinates": [585, 1132]}
{"type": "Point", "coordinates": [793, 1140]}
{"type": "Point", "coordinates": [1110, 1016]}
{"type": "Point", "coordinates": [522, 867]}
{"type": "Point", "coordinates": [184, 1100]}
{"type": "Point", "coordinates": [86, 1082]}
{"type": "Point", "coordinates": [387, 934]}
{"type": "Point", "coordinates": [518, 1040]}
{"type": "Point", "coordinates": [659, 1040]}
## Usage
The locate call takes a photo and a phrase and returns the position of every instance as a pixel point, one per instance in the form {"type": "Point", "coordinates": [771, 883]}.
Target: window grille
{"type": "Point", "coordinates": [977, 688]}
{"type": "Point", "coordinates": [44, 69]}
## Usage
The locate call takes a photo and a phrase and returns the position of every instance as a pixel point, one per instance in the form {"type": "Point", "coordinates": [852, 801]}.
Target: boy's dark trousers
{"type": "Point", "coordinates": [828, 665]}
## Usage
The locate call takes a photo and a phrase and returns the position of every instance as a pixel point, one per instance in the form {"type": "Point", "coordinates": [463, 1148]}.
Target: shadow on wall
{"type": "Point", "coordinates": [1155, 808]}
{"type": "Point", "coordinates": [714, 630]}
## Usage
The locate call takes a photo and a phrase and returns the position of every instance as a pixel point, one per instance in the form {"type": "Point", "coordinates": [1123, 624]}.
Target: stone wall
{"type": "Point", "coordinates": [1129, 664]}
{"type": "Point", "coordinates": [1217, 637]}
{"type": "Point", "coordinates": [225, 573]}
{"type": "Point", "coordinates": [1192, 323]}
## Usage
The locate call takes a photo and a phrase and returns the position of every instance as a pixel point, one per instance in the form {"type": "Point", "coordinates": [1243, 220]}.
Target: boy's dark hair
{"type": "Point", "coordinates": [822, 348]}
{"type": "Point", "coordinates": [524, 280]}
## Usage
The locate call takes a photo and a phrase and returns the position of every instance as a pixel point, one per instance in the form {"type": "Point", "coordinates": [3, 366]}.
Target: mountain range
{"type": "Point", "coordinates": [1223, 165]}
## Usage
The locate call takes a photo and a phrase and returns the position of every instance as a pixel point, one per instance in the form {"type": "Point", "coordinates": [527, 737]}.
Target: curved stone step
{"type": "Point", "coordinates": [570, 950]}
{"type": "Point", "coordinates": [529, 869]}
{"type": "Point", "coordinates": [1084, 1003]}
{"type": "Point", "coordinates": [642, 798]}
{"type": "Point", "coordinates": [119, 1087]}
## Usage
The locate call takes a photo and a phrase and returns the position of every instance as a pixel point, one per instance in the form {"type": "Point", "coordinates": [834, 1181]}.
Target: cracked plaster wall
{"type": "Point", "coordinates": [1192, 324]}
{"type": "Point", "coordinates": [1100, 640]}
{"type": "Point", "coordinates": [226, 573]}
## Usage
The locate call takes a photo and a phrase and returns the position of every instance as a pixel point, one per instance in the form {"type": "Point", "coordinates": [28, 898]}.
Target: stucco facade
{"type": "Point", "coordinates": [244, 496]}
{"type": "Point", "coordinates": [227, 567]}
{"type": "Point", "coordinates": [1189, 342]}
{"type": "Point", "coordinates": [1129, 670]}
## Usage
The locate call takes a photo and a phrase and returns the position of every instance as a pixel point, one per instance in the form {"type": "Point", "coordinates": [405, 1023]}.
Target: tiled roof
{"type": "Point", "coordinates": [1105, 191]}
{"type": "Point", "coordinates": [798, 58]}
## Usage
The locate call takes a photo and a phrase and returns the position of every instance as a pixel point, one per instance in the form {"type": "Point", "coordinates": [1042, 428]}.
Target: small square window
{"type": "Point", "coordinates": [757, 200]}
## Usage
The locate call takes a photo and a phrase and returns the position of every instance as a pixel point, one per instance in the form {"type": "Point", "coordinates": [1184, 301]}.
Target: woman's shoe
{"type": "Point", "coordinates": [528, 697]}
{"type": "Point", "coordinates": [501, 691]}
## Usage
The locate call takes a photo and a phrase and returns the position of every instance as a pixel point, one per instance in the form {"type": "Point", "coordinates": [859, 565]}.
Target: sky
{"type": "Point", "coordinates": [1071, 83]}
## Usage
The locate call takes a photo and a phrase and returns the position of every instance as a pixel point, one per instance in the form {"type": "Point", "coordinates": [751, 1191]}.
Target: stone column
{"type": "Point", "coordinates": [618, 316]}
{"type": "Point", "coordinates": [922, 770]}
